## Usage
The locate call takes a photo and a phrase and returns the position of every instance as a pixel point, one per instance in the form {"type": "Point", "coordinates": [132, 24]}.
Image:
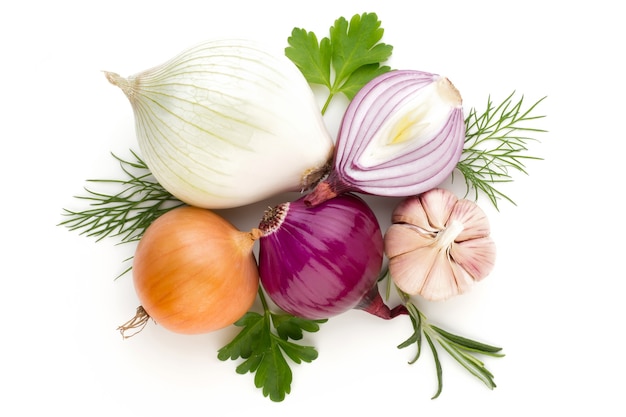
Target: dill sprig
{"type": "Point", "coordinates": [124, 214]}
{"type": "Point", "coordinates": [496, 145]}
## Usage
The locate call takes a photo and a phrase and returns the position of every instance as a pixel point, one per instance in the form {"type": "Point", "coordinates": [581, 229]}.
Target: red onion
{"type": "Point", "coordinates": [318, 262]}
{"type": "Point", "coordinates": [401, 135]}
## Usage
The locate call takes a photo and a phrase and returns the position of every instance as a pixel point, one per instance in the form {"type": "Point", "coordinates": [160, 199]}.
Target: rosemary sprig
{"type": "Point", "coordinates": [462, 349]}
{"type": "Point", "coordinates": [124, 214]}
{"type": "Point", "coordinates": [496, 145]}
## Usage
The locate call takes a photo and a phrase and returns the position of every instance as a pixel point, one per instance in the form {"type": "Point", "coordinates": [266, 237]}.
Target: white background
{"type": "Point", "coordinates": [554, 301]}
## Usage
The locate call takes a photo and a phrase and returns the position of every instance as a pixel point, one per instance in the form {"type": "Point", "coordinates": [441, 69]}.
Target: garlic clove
{"type": "Point", "coordinates": [475, 222]}
{"type": "Point", "coordinates": [410, 211]}
{"type": "Point", "coordinates": [463, 280]}
{"type": "Point", "coordinates": [402, 239]}
{"type": "Point", "coordinates": [411, 270]}
{"type": "Point", "coordinates": [440, 283]}
{"type": "Point", "coordinates": [438, 205]}
{"type": "Point", "coordinates": [475, 256]}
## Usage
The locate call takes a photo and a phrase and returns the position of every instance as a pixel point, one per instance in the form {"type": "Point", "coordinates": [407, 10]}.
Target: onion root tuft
{"type": "Point", "coordinates": [136, 324]}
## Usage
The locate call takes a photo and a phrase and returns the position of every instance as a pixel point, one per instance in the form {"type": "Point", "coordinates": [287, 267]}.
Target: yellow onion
{"type": "Point", "coordinates": [228, 123]}
{"type": "Point", "coordinates": [194, 272]}
{"type": "Point", "coordinates": [438, 245]}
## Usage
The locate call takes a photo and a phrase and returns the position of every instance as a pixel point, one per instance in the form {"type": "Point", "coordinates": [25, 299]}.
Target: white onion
{"type": "Point", "coordinates": [228, 123]}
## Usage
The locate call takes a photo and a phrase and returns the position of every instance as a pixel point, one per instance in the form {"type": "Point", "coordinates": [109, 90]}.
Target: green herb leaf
{"type": "Point", "coordinates": [273, 375]}
{"type": "Point", "coordinates": [467, 344]}
{"type": "Point", "coordinates": [125, 213]}
{"type": "Point", "coordinates": [262, 349]}
{"type": "Point", "coordinates": [438, 367]}
{"type": "Point", "coordinates": [353, 51]}
{"type": "Point", "coordinates": [290, 327]}
{"type": "Point", "coordinates": [416, 337]}
{"type": "Point", "coordinates": [249, 340]}
{"type": "Point", "coordinates": [355, 45]}
{"type": "Point", "coordinates": [296, 353]}
{"type": "Point", "coordinates": [312, 58]}
{"type": "Point", "coordinates": [360, 77]}
{"type": "Point", "coordinates": [496, 145]}
{"type": "Point", "coordinates": [462, 349]}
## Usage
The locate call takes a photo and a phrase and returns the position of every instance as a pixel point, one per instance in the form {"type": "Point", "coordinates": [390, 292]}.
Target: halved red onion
{"type": "Point", "coordinates": [318, 262]}
{"type": "Point", "coordinates": [401, 135]}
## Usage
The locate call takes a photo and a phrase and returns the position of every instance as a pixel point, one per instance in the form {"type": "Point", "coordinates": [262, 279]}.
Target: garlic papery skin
{"type": "Point", "coordinates": [438, 245]}
{"type": "Point", "coordinates": [228, 123]}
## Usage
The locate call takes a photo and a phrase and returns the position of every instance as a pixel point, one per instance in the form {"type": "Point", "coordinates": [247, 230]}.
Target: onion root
{"type": "Point", "coordinates": [136, 324]}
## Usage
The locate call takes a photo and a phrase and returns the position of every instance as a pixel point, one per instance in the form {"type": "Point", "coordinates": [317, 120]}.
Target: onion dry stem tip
{"type": "Point", "coordinates": [256, 233]}
{"type": "Point", "coordinates": [123, 83]}
{"type": "Point", "coordinates": [373, 303]}
{"type": "Point", "coordinates": [313, 176]}
{"type": "Point", "coordinates": [322, 192]}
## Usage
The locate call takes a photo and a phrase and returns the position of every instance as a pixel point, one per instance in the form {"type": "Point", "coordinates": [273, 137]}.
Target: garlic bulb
{"type": "Point", "coordinates": [228, 123]}
{"type": "Point", "coordinates": [438, 245]}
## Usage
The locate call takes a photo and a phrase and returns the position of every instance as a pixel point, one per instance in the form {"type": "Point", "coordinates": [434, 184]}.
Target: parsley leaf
{"type": "Point", "coordinates": [262, 349]}
{"type": "Point", "coordinates": [310, 56]}
{"type": "Point", "coordinates": [346, 60]}
{"type": "Point", "coordinates": [356, 44]}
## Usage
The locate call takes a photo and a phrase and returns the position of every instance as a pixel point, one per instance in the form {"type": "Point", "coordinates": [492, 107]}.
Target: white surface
{"type": "Point", "coordinates": [554, 301]}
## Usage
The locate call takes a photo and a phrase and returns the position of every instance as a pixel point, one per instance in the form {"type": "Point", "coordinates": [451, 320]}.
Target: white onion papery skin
{"type": "Point", "coordinates": [401, 135]}
{"type": "Point", "coordinates": [227, 123]}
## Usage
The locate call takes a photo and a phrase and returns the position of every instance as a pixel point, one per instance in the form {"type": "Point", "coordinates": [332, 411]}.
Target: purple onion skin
{"type": "Point", "coordinates": [322, 261]}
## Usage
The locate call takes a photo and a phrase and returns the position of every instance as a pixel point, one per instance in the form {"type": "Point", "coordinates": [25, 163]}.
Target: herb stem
{"type": "Point", "coordinates": [264, 303]}
{"type": "Point", "coordinates": [327, 103]}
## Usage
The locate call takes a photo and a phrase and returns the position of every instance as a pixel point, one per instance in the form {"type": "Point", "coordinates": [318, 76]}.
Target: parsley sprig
{"type": "Point", "coordinates": [496, 145]}
{"type": "Point", "coordinates": [346, 60]}
{"type": "Point", "coordinates": [262, 349]}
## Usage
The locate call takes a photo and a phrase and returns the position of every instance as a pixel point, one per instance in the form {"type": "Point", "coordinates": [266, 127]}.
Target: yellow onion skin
{"type": "Point", "coordinates": [194, 272]}
{"type": "Point", "coordinates": [211, 119]}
